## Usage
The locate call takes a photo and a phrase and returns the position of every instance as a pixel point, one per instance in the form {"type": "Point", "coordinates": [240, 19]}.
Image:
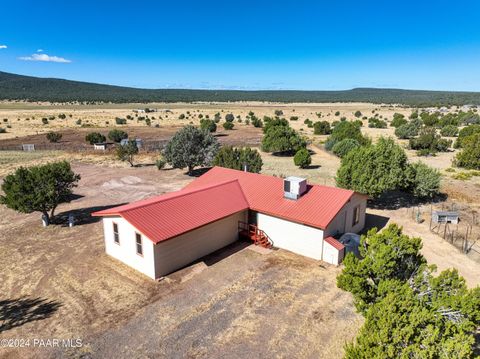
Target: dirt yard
{"type": "Point", "coordinates": [57, 282]}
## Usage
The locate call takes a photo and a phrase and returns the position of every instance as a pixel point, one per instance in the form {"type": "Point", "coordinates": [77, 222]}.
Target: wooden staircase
{"type": "Point", "coordinates": [252, 232]}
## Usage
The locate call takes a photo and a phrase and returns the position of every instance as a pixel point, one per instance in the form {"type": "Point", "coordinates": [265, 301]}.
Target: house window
{"type": "Point", "coordinates": [356, 215]}
{"type": "Point", "coordinates": [138, 241]}
{"type": "Point", "coordinates": [116, 236]}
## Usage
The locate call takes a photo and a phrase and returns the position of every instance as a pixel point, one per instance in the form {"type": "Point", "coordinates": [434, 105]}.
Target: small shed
{"type": "Point", "coordinates": [28, 147]}
{"type": "Point", "coordinates": [100, 146]}
{"type": "Point", "coordinates": [137, 140]}
{"type": "Point", "coordinates": [333, 251]}
{"type": "Point", "coordinates": [445, 217]}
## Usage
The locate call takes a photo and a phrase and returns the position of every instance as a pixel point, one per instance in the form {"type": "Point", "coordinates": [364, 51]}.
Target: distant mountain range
{"type": "Point", "coordinates": [19, 87]}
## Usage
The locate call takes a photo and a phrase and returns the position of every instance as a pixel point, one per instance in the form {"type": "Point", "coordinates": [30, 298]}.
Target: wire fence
{"type": "Point", "coordinates": [464, 234]}
{"type": "Point", "coordinates": [147, 146]}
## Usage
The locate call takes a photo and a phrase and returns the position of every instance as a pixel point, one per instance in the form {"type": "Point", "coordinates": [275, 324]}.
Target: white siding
{"type": "Point", "coordinates": [332, 255]}
{"type": "Point", "coordinates": [177, 252]}
{"type": "Point", "coordinates": [126, 250]}
{"type": "Point", "coordinates": [343, 222]}
{"type": "Point", "coordinates": [292, 236]}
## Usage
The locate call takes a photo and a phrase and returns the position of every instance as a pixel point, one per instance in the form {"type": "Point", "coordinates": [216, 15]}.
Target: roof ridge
{"type": "Point", "coordinates": [182, 193]}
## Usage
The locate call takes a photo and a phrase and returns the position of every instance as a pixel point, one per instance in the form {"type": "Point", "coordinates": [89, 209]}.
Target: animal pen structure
{"type": "Point", "coordinates": [455, 223]}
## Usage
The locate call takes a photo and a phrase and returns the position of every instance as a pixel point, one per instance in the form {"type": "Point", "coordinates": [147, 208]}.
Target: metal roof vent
{"type": "Point", "coordinates": [294, 187]}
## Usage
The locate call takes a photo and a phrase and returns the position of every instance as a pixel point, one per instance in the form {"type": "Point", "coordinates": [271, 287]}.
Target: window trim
{"type": "Point", "coordinates": [356, 215]}
{"type": "Point", "coordinates": [139, 236]}
{"type": "Point", "coordinates": [116, 235]}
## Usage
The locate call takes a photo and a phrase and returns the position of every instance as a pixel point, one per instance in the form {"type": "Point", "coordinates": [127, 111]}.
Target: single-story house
{"type": "Point", "coordinates": [164, 233]}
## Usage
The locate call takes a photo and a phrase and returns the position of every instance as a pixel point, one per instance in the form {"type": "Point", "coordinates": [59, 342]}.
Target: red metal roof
{"type": "Point", "coordinates": [334, 243]}
{"type": "Point", "coordinates": [222, 192]}
{"type": "Point", "coordinates": [169, 215]}
{"type": "Point", "coordinates": [316, 208]}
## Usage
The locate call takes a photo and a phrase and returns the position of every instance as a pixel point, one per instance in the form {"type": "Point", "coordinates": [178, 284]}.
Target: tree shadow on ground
{"type": "Point", "coordinates": [82, 215]}
{"type": "Point", "coordinates": [17, 312]}
{"type": "Point", "coordinates": [374, 221]}
{"type": "Point", "coordinates": [220, 135]}
{"type": "Point", "coordinates": [397, 199]}
{"type": "Point", "coordinates": [312, 167]}
{"type": "Point", "coordinates": [200, 171]}
{"type": "Point", "coordinates": [283, 154]}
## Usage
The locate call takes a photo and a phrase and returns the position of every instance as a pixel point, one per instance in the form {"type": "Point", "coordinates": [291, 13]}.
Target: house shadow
{"type": "Point", "coordinates": [17, 312]}
{"type": "Point", "coordinates": [398, 199]}
{"type": "Point", "coordinates": [82, 215]}
{"type": "Point", "coordinates": [374, 221]}
{"type": "Point", "coordinates": [225, 252]}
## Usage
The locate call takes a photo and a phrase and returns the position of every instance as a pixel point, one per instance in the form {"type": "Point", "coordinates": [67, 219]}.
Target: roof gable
{"type": "Point", "coordinates": [317, 208]}
{"type": "Point", "coordinates": [169, 215]}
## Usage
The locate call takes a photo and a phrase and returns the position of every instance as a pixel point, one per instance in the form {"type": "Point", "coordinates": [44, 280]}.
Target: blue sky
{"type": "Point", "coordinates": [311, 45]}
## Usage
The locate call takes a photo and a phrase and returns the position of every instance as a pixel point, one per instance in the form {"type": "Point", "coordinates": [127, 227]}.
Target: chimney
{"type": "Point", "coordinates": [294, 187]}
{"type": "Point", "coordinates": [245, 167]}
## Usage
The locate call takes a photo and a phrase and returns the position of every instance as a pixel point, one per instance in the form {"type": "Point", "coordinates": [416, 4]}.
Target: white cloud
{"type": "Point", "coordinates": [44, 58]}
{"type": "Point", "coordinates": [3, 46]}
{"type": "Point", "coordinates": [40, 50]}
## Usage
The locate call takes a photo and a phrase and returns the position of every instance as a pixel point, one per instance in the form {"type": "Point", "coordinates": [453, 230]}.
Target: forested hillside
{"type": "Point", "coordinates": [19, 87]}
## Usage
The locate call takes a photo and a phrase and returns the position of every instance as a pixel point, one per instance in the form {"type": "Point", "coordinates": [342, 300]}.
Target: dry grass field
{"type": "Point", "coordinates": [251, 303]}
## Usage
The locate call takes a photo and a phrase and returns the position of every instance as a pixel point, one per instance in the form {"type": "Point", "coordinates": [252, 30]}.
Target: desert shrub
{"type": "Point", "coordinates": [428, 139]}
{"type": "Point", "coordinates": [358, 123]}
{"type": "Point", "coordinates": [54, 137]}
{"type": "Point", "coordinates": [229, 117]}
{"type": "Point", "coordinates": [256, 122]}
{"type": "Point", "coordinates": [466, 132]}
{"type": "Point", "coordinates": [120, 121]}
{"type": "Point", "coordinates": [413, 115]}
{"type": "Point", "coordinates": [95, 137]}
{"type": "Point", "coordinates": [160, 163]}
{"type": "Point", "coordinates": [62, 116]}
{"type": "Point", "coordinates": [272, 122]}
{"type": "Point", "coordinates": [449, 131]}
{"type": "Point", "coordinates": [341, 148]}
{"type": "Point", "coordinates": [282, 139]}
{"type": "Point", "coordinates": [181, 117]}
{"type": "Point", "coordinates": [117, 135]}
{"type": "Point", "coordinates": [408, 130]}
{"type": "Point", "coordinates": [78, 122]}
{"type": "Point", "coordinates": [322, 128]}
{"type": "Point", "coordinates": [430, 119]}
{"type": "Point", "coordinates": [302, 158]}
{"type": "Point", "coordinates": [308, 122]}
{"type": "Point", "coordinates": [127, 151]}
{"type": "Point", "coordinates": [337, 113]}
{"type": "Point", "coordinates": [237, 158]}
{"type": "Point", "coordinates": [208, 125]}
{"type": "Point", "coordinates": [423, 181]}
{"type": "Point", "coordinates": [191, 147]}
{"type": "Point", "coordinates": [217, 117]}
{"type": "Point", "coordinates": [398, 120]}
{"type": "Point", "coordinates": [374, 122]}
{"type": "Point", "coordinates": [39, 188]}
{"type": "Point", "coordinates": [228, 125]}
{"type": "Point", "coordinates": [294, 118]}
{"type": "Point", "coordinates": [343, 130]}
{"type": "Point", "coordinates": [374, 169]}
{"type": "Point", "coordinates": [45, 121]}
{"type": "Point", "coordinates": [3, 130]}
{"type": "Point", "coordinates": [357, 114]}
{"type": "Point", "coordinates": [469, 156]}
{"type": "Point", "coordinates": [278, 113]}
